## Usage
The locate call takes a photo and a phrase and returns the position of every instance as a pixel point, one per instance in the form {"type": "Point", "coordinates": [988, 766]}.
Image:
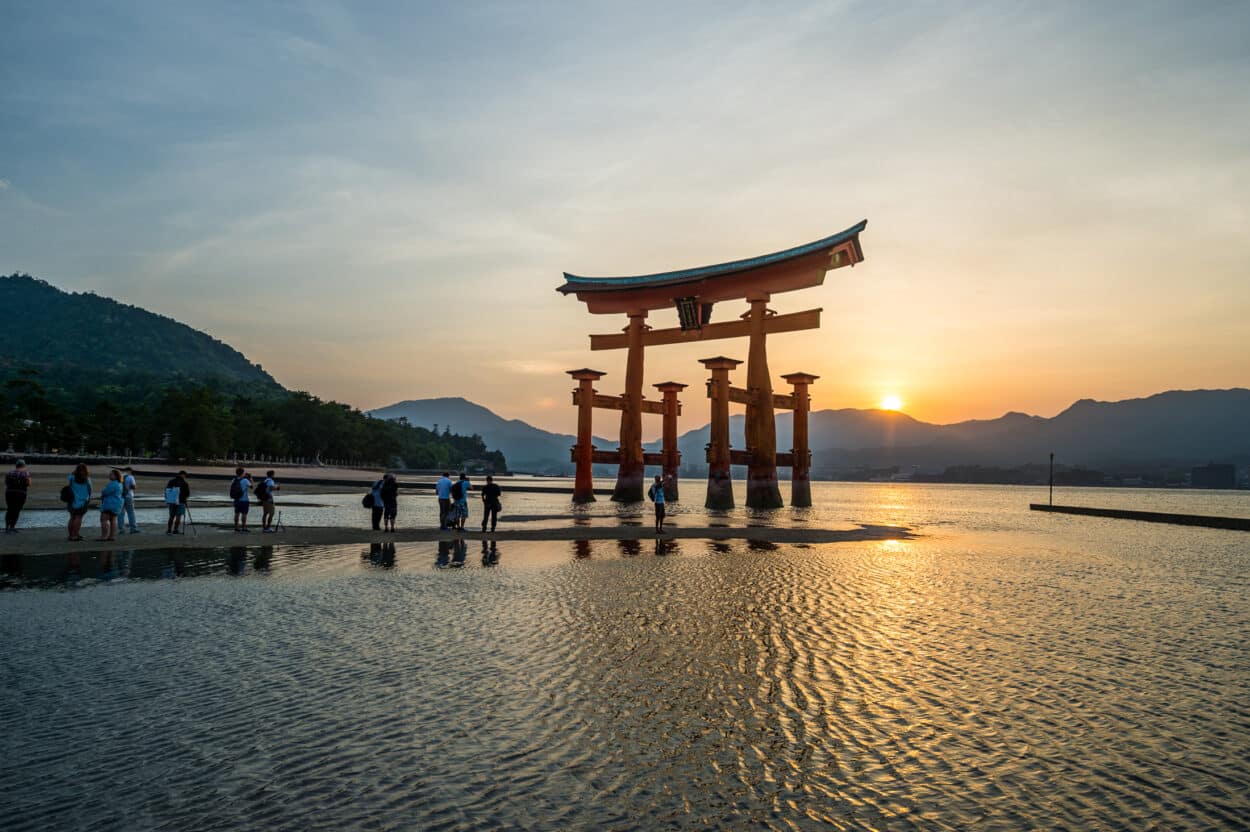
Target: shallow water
{"type": "Point", "coordinates": [1003, 670]}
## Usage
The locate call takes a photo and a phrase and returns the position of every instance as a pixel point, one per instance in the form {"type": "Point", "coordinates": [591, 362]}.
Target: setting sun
{"type": "Point", "coordinates": [891, 403]}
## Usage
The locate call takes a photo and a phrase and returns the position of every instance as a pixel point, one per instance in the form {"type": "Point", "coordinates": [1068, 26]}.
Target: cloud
{"type": "Point", "coordinates": [4, 183]}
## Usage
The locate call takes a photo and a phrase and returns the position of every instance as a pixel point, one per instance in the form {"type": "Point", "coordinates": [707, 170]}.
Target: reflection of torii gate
{"type": "Point", "coordinates": [693, 292]}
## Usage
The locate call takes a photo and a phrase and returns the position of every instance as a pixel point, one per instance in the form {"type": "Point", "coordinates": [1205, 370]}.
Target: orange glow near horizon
{"type": "Point", "coordinates": [892, 402]}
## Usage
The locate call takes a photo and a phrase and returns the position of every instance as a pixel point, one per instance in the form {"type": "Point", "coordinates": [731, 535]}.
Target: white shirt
{"type": "Point", "coordinates": [128, 486]}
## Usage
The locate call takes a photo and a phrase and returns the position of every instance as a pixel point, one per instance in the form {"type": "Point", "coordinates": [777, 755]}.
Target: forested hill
{"type": "Point", "coordinates": [78, 335]}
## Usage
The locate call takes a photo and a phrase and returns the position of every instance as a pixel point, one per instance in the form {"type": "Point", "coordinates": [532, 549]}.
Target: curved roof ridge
{"type": "Point", "coordinates": [575, 282]}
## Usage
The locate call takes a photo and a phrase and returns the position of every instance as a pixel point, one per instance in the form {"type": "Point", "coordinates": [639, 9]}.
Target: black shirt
{"type": "Point", "coordinates": [184, 490]}
{"type": "Point", "coordinates": [491, 492]}
{"type": "Point", "coordinates": [390, 490]}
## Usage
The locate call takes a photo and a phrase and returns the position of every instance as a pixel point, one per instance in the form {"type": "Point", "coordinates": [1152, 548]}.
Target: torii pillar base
{"type": "Point", "coordinates": [583, 451]}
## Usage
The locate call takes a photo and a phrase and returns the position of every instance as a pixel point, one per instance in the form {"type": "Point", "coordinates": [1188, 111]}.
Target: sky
{"type": "Point", "coordinates": [376, 201]}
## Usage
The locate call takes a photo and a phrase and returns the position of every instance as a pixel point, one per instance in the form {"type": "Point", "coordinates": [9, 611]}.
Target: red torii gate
{"type": "Point", "coordinates": [694, 292]}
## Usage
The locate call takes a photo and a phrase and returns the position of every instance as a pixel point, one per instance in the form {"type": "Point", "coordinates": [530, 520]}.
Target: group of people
{"type": "Point", "coordinates": [453, 502]}
{"type": "Point", "coordinates": [117, 501]}
{"type": "Point", "coordinates": [242, 488]}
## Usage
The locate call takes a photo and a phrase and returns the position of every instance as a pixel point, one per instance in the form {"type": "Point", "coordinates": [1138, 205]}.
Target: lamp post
{"type": "Point", "coordinates": [1052, 478]}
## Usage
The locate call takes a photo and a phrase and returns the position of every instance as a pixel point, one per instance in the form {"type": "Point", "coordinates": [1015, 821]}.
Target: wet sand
{"type": "Point", "coordinates": [53, 542]}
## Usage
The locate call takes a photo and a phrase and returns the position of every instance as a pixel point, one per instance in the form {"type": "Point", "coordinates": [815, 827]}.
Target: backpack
{"type": "Point", "coordinates": [236, 489]}
{"type": "Point", "coordinates": [260, 492]}
{"type": "Point", "coordinates": [651, 493]}
{"type": "Point", "coordinates": [367, 502]}
{"type": "Point", "coordinates": [457, 490]}
{"type": "Point", "coordinates": [173, 495]}
{"type": "Point", "coordinates": [67, 494]}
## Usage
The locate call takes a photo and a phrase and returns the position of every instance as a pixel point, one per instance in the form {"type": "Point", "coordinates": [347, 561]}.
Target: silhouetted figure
{"type": "Point", "coordinates": [491, 506]}
{"type": "Point", "coordinates": [128, 500]}
{"type": "Point", "coordinates": [236, 560]}
{"type": "Point", "coordinates": [581, 549]}
{"type": "Point", "coordinates": [16, 485]}
{"type": "Point", "coordinates": [390, 502]}
{"type": "Point", "coordinates": [112, 503]}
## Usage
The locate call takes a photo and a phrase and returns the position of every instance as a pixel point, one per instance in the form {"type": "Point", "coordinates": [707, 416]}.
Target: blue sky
{"type": "Point", "coordinates": [376, 200]}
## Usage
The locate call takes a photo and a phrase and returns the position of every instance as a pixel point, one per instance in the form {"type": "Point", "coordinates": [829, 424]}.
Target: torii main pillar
{"type": "Point", "coordinates": [629, 476]}
{"type": "Point", "coordinates": [800, 473]}
{"type": "Point", "coordinates": [720, 493]}
{"type": "Point", "coordinates": [762, 488]}
{"type": "Point", "coordinates": [672, 456]}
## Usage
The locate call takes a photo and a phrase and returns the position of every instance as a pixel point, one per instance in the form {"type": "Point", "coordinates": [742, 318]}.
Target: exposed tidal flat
{"type": "Point", "coordinates": [993, 669]}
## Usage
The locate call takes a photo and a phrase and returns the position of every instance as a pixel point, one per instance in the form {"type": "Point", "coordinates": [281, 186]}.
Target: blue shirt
{"type": "Point", "coordinates": [657, 494]}
{"type": "Point", "coordinates": [111, 497]}
{"type": "Point", "coordinates": [465, 485]}
{"type": "Point", "coordinates": [82, 492]}
{"type": "Point", "coordinates": [443, 487]}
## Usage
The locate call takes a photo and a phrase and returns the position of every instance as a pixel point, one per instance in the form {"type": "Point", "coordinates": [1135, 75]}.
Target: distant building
{"type": "Point", "coordinates": [1214, 476]}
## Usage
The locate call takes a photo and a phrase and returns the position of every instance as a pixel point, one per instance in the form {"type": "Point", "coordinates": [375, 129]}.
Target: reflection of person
{"type": "Point", "coordinates": [111, 502]}
{"type": "Point", "coordinates": [444, 553]}
{"type": "Point", "coordinates": [462, 552]}
{"type": "Point", "coordinates": [656, 493]}
{"type": "Point", "coordinates": [490, 553]}
{"type": "Point", "coordinates": [177, 492]}
{"type": "Point", "coordinates": [490, 503]}
{"type": "Point", "coordinates": [80, 497]}
{"type": "Point", "coordinates": [390, 501]}
{"type": "Point", "coordinates": [16, 484]}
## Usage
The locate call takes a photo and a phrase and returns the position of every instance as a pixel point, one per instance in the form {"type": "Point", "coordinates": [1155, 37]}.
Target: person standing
{"type": "Point", "coordinates": [490, 503]}
{"type": "Point", "coordinates": [239, 487]}
{"type": "Point", "coordinates": [443, 489]}
{"type": "Point", "coordinates": [376, 491]}
{"type": "Point", "coordinates": [16, 485]}
{"type": "Point", "coordinates": [177, 492]}
{"type": "Point", "coordinates": [264, 493]}
{"type": "Point", "coordinates": [656, 493]}
{"type": "Point", "coordinates": [460, 492]}
{"type": "Point", "coordinates": [111, 502]}
{"type": "Point", "coordinates": [390, 501]}
{"type": "Point", "coordinates": [79, 498]}
{"type": "Point", "coordinates": [128, 499]}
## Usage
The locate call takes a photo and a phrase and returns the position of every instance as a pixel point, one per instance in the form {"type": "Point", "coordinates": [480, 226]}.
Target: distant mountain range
{"type": "Point", "coordinates": [1180, 426]}
{"type": "Point", "coordinates": [76, 336]}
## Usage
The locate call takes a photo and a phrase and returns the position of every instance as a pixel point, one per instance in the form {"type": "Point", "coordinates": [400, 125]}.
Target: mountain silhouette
{"type": "Point", "coordinates": [1179, 426]}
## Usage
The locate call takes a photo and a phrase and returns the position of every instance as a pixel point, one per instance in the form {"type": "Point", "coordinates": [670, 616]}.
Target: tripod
{"type": "Point", "coordinates": [191, 522]}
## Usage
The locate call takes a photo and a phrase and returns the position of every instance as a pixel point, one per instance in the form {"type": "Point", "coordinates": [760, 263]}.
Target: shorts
{"type": "Point", "coordinates": [241, 506]}
{"type": "Point", "coordinates": [390, 508]}
{"type": "Point", "coordinates": [77, 512]}
{"type": "Point", "coordinates": [659, 511]}
{"type": "Point", "coordinates": [267, 506]}
{"type": "Point", "coordinates": [176, 510]}
{"type": "Point", "coordinates": [104, 512]}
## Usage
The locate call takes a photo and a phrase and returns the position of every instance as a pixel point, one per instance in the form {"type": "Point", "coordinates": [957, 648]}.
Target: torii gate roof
{"type": "Point", "coordinates": [781, 271]}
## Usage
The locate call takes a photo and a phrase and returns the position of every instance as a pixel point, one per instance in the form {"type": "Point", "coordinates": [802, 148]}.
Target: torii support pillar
{"type": "Point", "coordinates": [720, 492]}
{"type": "Point", "coordinates": [800, 474]}
{"type": "Point", "coordinates": [762, 488]}
{"type": "Point", "coordinates": [629, 476]}
{"type": "Point", "coordinates": [672, 457]}
{"type": "Point", "coordinates": [584, 450]}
